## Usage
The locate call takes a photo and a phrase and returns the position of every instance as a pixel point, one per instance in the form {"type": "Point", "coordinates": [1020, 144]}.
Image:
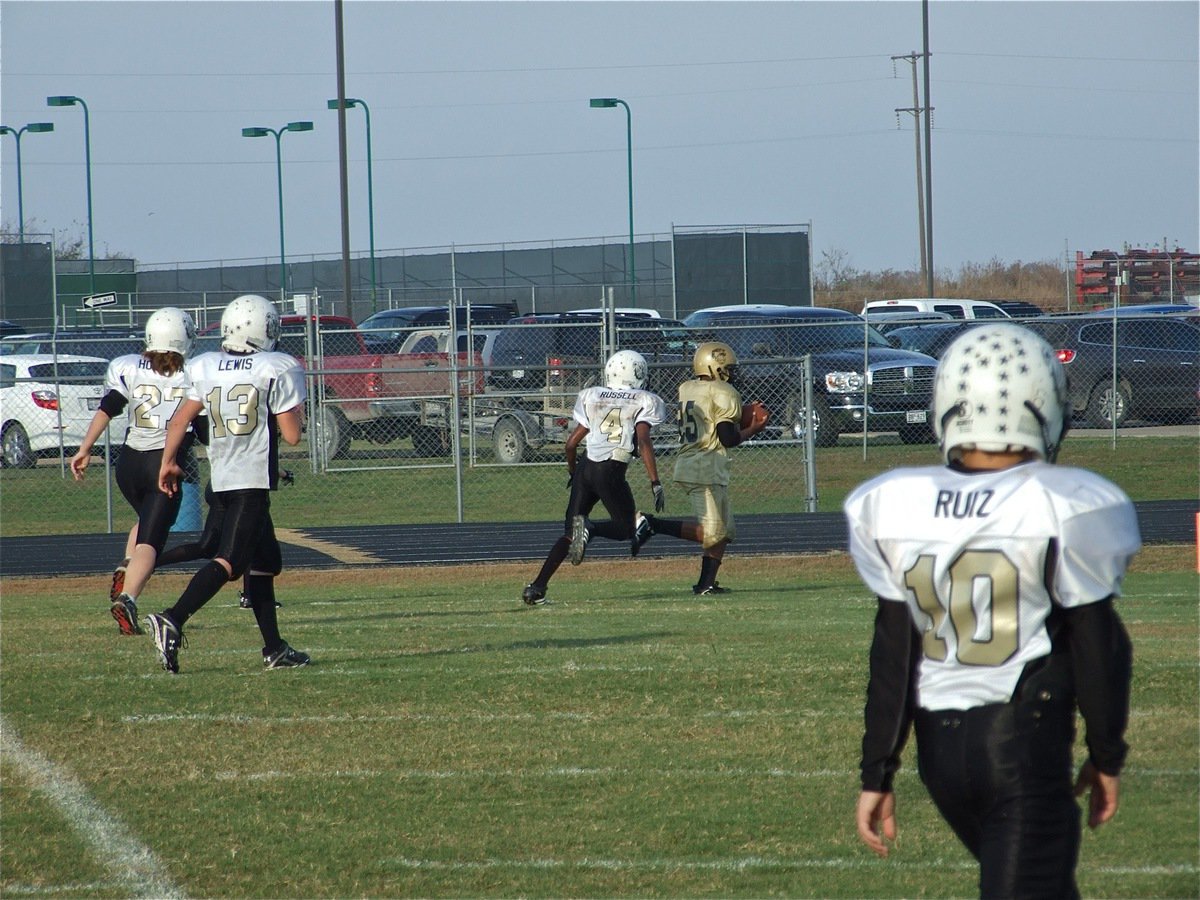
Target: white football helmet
{"type": "Point", "coordinates": [626, 369]}
{"type": "Point", "coordinates": [249, 323]}
{"type": "Point", "coordinates": [170, 330]}
{"type": "Point", "coordinates": [1000, 388]}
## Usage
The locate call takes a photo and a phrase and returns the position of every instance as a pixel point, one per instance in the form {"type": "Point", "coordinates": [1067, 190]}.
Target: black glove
{"type": "Point", "coordinates": [660, 496]}
{"type": "Point", "coordinates": [286, 477]}
{"type": "Point", "coordinates": [570, 480]}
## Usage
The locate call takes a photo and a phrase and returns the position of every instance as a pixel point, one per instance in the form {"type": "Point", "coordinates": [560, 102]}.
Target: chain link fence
{"type": "Point", "coordinates": [476, 433]}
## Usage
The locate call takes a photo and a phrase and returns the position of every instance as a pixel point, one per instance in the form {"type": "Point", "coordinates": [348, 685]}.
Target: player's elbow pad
{"type": "Point", "coordinates": [113, 404]}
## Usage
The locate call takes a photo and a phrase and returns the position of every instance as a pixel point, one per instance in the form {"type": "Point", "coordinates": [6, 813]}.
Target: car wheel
{"type": "Point", "coordinates": [333, 433]}
{"type": "Point", "coordinates": [429, 441]}
{"type": "Point", "coordinates": [14, 446]}
{"type": "Point", "coordinates": [796, 421]}
{"type": "Point", "coordinates": [508, 441]}
{"type": "Point", "coordinates": [1108, 407]}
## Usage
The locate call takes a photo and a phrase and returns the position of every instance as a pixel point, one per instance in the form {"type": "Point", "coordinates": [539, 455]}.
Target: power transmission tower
{"type": "Point", "coordinates": [916, 109]}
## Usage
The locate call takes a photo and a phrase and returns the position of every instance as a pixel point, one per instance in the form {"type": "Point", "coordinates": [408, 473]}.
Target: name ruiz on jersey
{"type": "Point", "coordinates": [962, 504]}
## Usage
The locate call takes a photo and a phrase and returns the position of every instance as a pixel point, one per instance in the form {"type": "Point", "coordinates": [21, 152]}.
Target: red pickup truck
{"type": "Point", "coordinates": [372, 396]}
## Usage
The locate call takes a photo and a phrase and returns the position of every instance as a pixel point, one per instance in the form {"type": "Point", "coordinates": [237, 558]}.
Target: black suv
{"type": "Point", "coordinates": [386, 330]}
{"type": "Point", "coordinates": [857, 375]}
{"type": "Point", "coordinates": [1157, 360]}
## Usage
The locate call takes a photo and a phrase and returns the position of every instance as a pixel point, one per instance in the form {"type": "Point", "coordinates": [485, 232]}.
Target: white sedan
{"type": "Point", "coordinates": [47, 402]}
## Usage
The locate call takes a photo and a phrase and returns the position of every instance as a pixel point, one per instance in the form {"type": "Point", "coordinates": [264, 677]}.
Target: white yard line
{"type": "Point", "coordinates": [736, 864]}
{"type": "Point", "coordinates": [557, 772]}
{"type": "Point", "coordinates": [133, 865]}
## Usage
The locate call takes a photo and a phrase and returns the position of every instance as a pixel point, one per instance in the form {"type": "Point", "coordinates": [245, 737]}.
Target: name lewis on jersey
{"type": "Point", "coordinates": [232, 365]}
{"type": "Point", "coordinates": [962, 504]}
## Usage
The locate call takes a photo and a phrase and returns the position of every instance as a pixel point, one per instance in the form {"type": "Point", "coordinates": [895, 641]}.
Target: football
{"type": "Point", "coordinates": [747, 414]}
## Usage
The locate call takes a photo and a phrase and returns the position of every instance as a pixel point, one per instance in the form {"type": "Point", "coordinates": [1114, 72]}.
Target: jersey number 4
{"type": "Point", "coordinates": [983, 580]}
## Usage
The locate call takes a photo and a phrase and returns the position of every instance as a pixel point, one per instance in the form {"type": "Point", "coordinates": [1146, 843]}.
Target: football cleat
{"type": "Point", "coordinates": [714, 588]}
{"type": "Point", "coordinates": [285, 658]}
{"type": "Point", "coordinates": [118, 582]}
{"type": "Point", "coordinates": [642, 532]}
{"type": "Point", "coordinates": [534, 594]}
{"type": "Point", "coordinates": [244, 602]}
{"type": "Point", "coordinates": [167, 639]}
{"type": "Point", "coordinates": [581, 533]}
{"type": "Point", "coordinates": [124, 610]}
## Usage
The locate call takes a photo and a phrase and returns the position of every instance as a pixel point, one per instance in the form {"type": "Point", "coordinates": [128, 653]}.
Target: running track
{"type": "Point", "coordinates": [1162, 522]}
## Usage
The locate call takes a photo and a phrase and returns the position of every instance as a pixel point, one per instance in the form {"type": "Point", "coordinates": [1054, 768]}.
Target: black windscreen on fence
{"type": "Point", "coordinates": [717, 269]}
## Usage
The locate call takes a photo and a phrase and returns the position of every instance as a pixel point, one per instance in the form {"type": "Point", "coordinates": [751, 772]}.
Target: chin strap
{"type": "Point", "coordinates": [1051, 446]}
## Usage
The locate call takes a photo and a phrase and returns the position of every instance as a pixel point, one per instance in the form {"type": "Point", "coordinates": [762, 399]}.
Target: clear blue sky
{"type": "Point", "coordinates": [1057, 126]}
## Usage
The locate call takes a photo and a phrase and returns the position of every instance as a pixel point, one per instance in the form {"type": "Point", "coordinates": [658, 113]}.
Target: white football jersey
{"type": "Point", "coordinates": [241, 393]}
{"type": "Point", "coordinates": [611, 416]}
{"type": "Point", "coordinates": [152, 399]}
{"type": "Point", "coordinates": [968, 553]}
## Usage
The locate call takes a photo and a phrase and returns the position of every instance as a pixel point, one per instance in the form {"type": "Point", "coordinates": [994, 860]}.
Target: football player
{"type": "Point", "coordinates": [613, 423]}
{"type": "Point", "coordinates": [153, 382]}
{"type": "Point", "coordinates": [253, 396]}
{"type": "Point", "coordinates": [996, 575]}
{"type": "Point", "coordinates": [712, 420]}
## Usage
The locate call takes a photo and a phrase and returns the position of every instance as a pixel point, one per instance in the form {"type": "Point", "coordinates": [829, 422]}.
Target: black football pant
{"type": "Point", "coordinates": [137, 479]}
{"type": "Point", "coordinates": [603, 482]}
{"type": "Point", "coordinates": [1001, 776]}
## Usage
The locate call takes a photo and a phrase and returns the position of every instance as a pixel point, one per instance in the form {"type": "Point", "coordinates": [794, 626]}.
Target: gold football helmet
{"type": "Point", "coordinates": [714, 359]}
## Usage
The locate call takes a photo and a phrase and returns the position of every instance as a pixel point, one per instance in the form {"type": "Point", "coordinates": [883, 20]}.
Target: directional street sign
{"type": "Point", "coordinates": [98, 300]}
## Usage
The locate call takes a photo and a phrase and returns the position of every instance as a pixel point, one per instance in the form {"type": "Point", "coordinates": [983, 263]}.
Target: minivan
{"type": "Point", "coordinates": [958, 309]}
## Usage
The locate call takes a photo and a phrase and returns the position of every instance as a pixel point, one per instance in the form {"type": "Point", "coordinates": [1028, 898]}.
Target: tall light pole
{"type": "Point", "coordinates": [609, 103]}
{"type": "Point", "coordinates": [36, 128]}
{"type": "Point", "coordinates": [352, 102]}
{"type": "Point", "coordinates": [64, 100]}
{"type": "Point", "coordinates": [277, 133]}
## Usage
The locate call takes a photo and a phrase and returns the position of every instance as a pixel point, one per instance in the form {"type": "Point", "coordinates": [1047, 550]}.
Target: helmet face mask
{"type": "Point", "coordinates": [1000, 388]}
{"type": "Point", "coordinates": [170, 330]}
{"type": "Point", "coordinates": [249, 324]}
{"type": "Point", "coordinates": [715, 360]}
{"type": "Point", "coordinates": [626, 369]}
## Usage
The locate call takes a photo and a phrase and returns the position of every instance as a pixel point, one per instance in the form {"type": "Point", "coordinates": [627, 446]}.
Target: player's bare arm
{"type": "Point", "coordinates": [290, 423]}
{"type": "Point", "coordinates": [646, 450]}
{"type": "Point", "coordinates": [574, 439]}
{"type": "Point", "coordinates": [83, 456]}
{"type": "Point", "coordinates": [1102, 791]}
{"type": "Point", "coordinates": [876, 818]}
{"type": "Point", "coordinates": [169, 473]}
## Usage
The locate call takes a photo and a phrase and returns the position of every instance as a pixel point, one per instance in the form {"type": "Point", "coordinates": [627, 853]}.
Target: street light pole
{"type": "Point", "coordinates": [87, 164]}
{"type": "Point", "coordinates": [350, 103]}
{"type": "Point", "coordinates": [609, 103]}
{"type": "Point", "coordinates": [36, 128]}
{"type": "Point", "coordinates": [277, 133]}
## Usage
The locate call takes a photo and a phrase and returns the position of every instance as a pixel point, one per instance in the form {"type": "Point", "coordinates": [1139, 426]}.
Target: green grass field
{"type": "Point", "coordinates": [628, 739]}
